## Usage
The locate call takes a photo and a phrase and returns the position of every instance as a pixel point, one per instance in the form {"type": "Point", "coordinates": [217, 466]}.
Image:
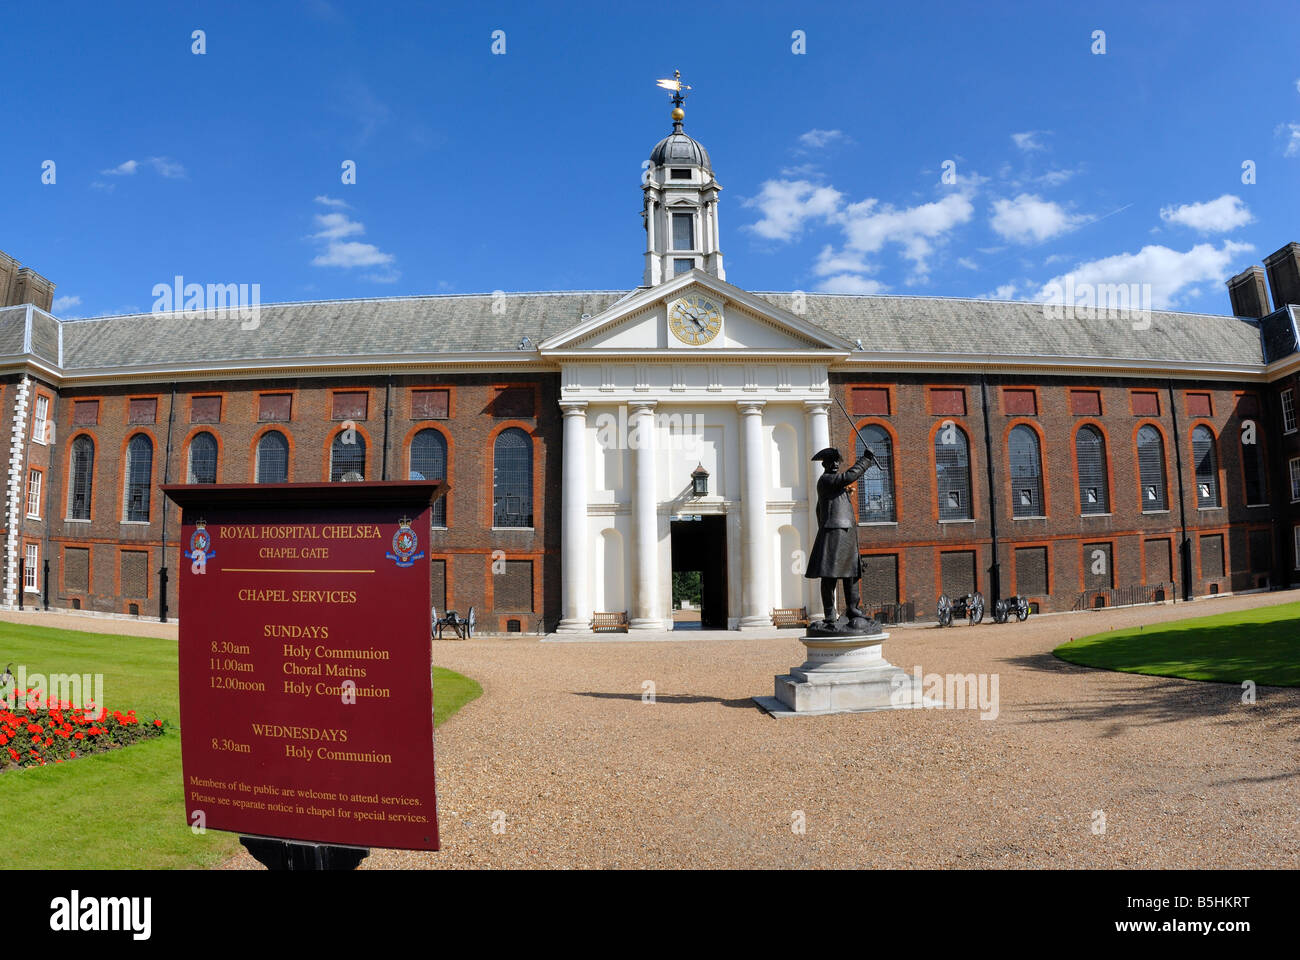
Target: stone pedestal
{"type": "Point", "coordinates": [846, 674]}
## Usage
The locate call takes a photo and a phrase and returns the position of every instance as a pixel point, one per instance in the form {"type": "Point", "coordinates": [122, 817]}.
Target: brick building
{"type": "Point", "coordinates": [596, 442]}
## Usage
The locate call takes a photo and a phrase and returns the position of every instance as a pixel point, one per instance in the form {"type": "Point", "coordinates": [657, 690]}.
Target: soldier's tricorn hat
{"type": "Point", "coordinates": [827, 453]}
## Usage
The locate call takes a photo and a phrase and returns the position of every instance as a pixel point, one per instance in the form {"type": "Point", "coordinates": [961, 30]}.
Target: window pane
{"type": "Point", "coordinates": [203, 459]}
{"type": "Point", "coordinates": [876, 488]}
{"type": "Point", "coordinates": [429, 462]}
{"type": "Point", "coordinates": [512, 479]}
{"type": "Point", "coordinates": [83, 468]}
{"type": "Point", "coordinates": [1151, 468]}
{"type": "Point", "coordinates": [347, 457]}
{"type": "Point", "coordinates": [1026, 473]}
{"type": "Point", "coordinates": [1090, 451]}
{"type": "Point", "coordinates": [683, 231]}
{"type": "Point", "coordinates": [1207, 467]}
{"type": "Point", "coordinates": [273, 458]}
{"type": "Point", "coordinates": [139, 475]}
{"type": "Point", "coordinates": [952, 465]}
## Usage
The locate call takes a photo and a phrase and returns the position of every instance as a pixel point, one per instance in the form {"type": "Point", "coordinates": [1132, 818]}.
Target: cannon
{"type": "Point", "coordinates": [970, 606]}
{"type": "Point", "coordinates": [1004, 608]}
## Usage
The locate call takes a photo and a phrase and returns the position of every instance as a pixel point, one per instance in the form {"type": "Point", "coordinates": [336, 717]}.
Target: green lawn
{"type": "Point", "coordinates": [124, 808]}
{"type": "Point", "coordinates": [1262, 645]}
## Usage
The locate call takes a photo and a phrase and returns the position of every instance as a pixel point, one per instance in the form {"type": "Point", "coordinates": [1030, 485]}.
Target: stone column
{"type": "Point", "coordinates": [574, 540]}
{"type": "Point", "coordinates": [645, 614]}
{"type": "Point", "coordinates": [819, 437]}
{"type": "Point", "coordinates": [756, 575]}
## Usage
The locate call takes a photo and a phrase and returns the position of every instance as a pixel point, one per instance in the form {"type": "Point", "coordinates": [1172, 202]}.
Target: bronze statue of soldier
{"type": "Point", "coordinates": [834, 555]}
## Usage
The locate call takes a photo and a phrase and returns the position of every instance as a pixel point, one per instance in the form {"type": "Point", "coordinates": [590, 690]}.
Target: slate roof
{"type": "Point", "coordinates": [481, 323]}
{"type": "Point", "coordinates": [332, 328]}
{"type": "Point", "coordinates": [1016, 328]}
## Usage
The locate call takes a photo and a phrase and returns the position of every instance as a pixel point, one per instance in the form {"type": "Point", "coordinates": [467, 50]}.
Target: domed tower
{"type": "Point", "coordinates": [680, 208]}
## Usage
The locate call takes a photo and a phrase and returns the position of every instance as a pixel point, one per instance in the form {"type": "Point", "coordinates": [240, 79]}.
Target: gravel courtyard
{"type": "Point", "coordinates": [562, 755]}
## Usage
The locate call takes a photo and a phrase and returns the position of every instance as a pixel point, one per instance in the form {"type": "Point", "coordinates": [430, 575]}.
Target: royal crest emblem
{"type": "Point", "coordinates": [406, 543]}
{"type": "Point", "coordinates": [200, 549]}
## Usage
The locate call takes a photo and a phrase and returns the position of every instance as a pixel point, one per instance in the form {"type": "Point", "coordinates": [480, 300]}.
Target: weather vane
{"type": "Point", "coordinates": [679, 94]}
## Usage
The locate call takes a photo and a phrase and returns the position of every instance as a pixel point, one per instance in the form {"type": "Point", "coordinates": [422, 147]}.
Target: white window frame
{"type": "Point", "coordinates": [41, 420]}
{"type": "Point", "coordinates": [34, 480]}
{"type": "Point", "coordinates": [1288, 411]}
{"type": "Point", "coordinates": [32, 556]}
{"type": "Point", "coordinates": [1294, 466]}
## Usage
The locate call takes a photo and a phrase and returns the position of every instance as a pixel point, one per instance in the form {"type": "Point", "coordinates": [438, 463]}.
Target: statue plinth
{"type": "Point", "coordinates": [843, 673]}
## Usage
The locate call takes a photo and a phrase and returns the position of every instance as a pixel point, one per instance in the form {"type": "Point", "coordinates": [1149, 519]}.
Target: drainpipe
{"type": "Point", "coordinates": [167, 472]}
{"type": "Point", "coordinates": [1184, 544]}
{"type": "Point", "coordinates": [995, 571]}
{"type": "Point", "coordinates": [388, 398]}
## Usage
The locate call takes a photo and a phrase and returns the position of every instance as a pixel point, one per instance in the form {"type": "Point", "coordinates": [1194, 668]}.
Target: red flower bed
{"type": "Point", "coordinates": [45, 732]}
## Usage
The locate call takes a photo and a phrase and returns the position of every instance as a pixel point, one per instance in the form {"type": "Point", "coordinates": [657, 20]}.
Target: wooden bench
{"type": "Point", "coordinates": [790, 617]}
{"type": "Point", "coordinates": [609, 622]}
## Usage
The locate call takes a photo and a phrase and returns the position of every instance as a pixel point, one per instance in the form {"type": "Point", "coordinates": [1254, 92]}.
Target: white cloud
{"type": "Point", "coordinates": [163, 166]}
{"type": "Point", "coordinates": [815, 139]}
{"type": "Point", "coordinates": [916, 229]}
{"type": "Point", "coordinates": [331, 201]}
{"type": "Point", "coordinates": [1214, 216]}
{"type": "Point", "coordinates": [1293, 141]}
{"type": "Point", "coordinates": [830, 261]}
{"type": "Point", "coordinates": [1006, 291]}
{"type": "Point", "coordinates": [335, 226]}
{"type": "Point", "coordinates": [351, 254]}
{"type": "Point", "coordinates": [63, 304]}
{"type": "Point", "coordinates": [166, 167]}
{"type": "Point", "coordinates": [968, 263]}
{"type": "Point", "coordinates": [1054, 178]}
{"type": "Point", "coordinates": [1028, 141]}
{"type": "Point", "coordinates": [1030, 219]}
{"type": "Point", "coordinates": [850, 283]}
{"type": "Point", "coordinates": [1170, 273]}
{"type": "Point", "coordinates": [787, 205]}
{"type": "Point", "coordinates": [337, 252]}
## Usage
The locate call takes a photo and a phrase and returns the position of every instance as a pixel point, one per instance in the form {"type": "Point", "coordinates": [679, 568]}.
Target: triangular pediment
{"type": "Point", "coordinates": [639, 323]}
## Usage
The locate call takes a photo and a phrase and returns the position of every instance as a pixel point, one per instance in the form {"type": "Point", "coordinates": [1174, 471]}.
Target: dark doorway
{"type": "Point", "coordinates": [701, 545]}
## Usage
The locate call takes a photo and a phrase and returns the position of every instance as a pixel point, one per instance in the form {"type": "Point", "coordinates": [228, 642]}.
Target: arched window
{"type": "Point", "coordinates": [83, 474]}
{"type": "Point", "coordinates": [203, 459]}
{"type": "Point", "coordinates": [876, 488]}
{"type": "Point", "coordinates": [1026, 473]}
{"type": "Point", "coordinates": [1252, 468]}
{"type": "Point", "coordinates": [512, 479]}
{"type": "Point", "coordinates": [347, 457]}
{"type": "Point", "coordinates": [952, 466]}
{"type": "Point", "coordinates": [1090, 452]}
{"type": "Point", "coordinates": [429, 462]}
{"type": "Point", "coordinates": [273, 458]}
{"type": "Point", "coordinates": [139, 478]}
{"type": "Point", "coordinates": [1151, 469]}
{"type": "Point", "coordinates": [1206, 460]}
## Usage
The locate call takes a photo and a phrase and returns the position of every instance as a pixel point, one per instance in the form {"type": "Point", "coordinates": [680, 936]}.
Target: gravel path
{"type": "Point", "coordinates": [587, 775]}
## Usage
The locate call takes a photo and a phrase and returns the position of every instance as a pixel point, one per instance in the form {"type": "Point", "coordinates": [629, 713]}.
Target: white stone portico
{"type": "Point", "coordinates": [643, 409]}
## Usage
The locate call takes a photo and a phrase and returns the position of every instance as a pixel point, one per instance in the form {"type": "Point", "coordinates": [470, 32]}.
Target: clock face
{"type": "Point", "coordinates": [694, 320]}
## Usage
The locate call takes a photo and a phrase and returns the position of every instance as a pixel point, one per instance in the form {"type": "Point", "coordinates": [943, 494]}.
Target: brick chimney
{"type": "Point", "coordinates": [8, 273]}
{"type": "Point", "coordinates": [1249, 294]}
{"type": "Point", "coordinates": [31, 287]}
{"type": "Point", "coordinates": [1284, 275]}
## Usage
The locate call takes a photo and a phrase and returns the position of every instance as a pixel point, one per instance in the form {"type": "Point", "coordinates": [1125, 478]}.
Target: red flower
{"type": "Point", "coordinates": [157, 723]}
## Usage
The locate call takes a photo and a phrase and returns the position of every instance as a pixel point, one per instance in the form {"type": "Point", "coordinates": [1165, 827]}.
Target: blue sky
{"type": "Point", "coordinates": [521, 171]}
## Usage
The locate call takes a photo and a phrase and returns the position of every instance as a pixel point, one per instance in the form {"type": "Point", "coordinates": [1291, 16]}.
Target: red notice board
{"type": "Point", "coordinates": [305, 690]}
